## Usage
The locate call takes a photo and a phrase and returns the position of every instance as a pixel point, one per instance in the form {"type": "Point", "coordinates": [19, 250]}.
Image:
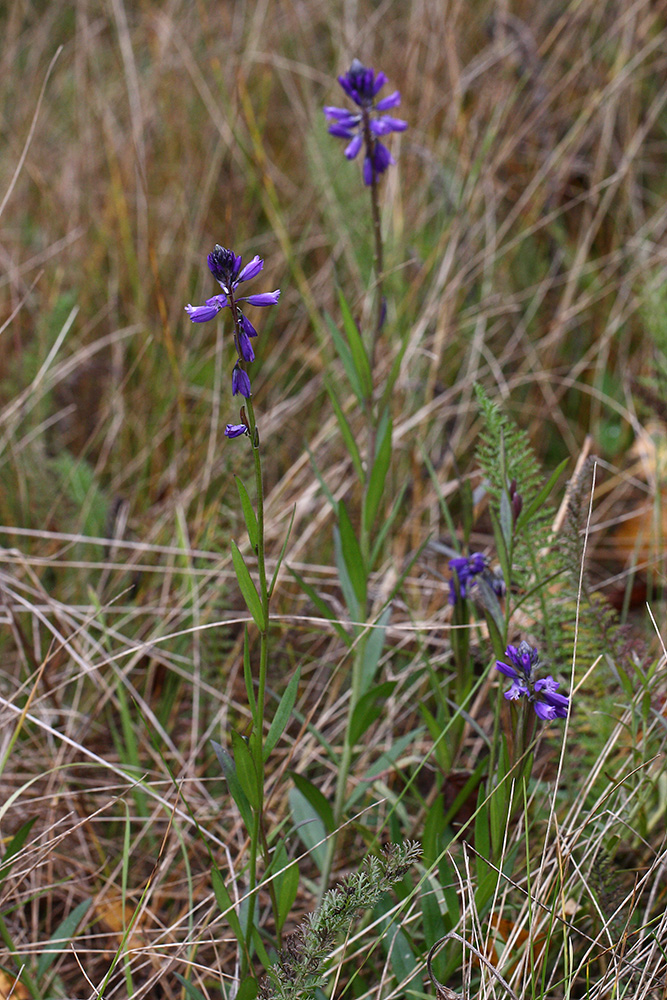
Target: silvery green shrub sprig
{"type": "Point", "coordinates": [302, 962]}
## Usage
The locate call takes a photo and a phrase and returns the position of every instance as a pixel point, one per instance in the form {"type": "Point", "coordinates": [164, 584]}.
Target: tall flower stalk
{"type": "Point", "coordinates": [362, 127]}
{"type": "Point", "coordinates": [245, 769]}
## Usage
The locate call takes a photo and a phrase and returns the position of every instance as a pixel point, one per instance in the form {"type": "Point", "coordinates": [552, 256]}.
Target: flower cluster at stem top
{"type": "Point", "coordinates": [228, 270]}
{"type": "Point", "coordinates": [465, 569]}
{"type": "Point", "coordinates": [543, 694]}
{"type": "Point", "coordinates": [362, 85]}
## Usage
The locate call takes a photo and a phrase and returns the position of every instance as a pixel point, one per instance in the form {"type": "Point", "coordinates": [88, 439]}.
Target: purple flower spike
{"type": "Point", "coordinates": [463, 569]}
{"type": "Point", "coordinates": [226, 267]}
{"type": "Point", "coordinates": [240, 382]}
{"type": "Point", "coordinates": [361, 85]}
{"type": "Point", "coordinates": [235, 430]}
{"type": "Point", "coordinates": [543, 693]}
{"type": "Point", "coordinates": [228, 270]}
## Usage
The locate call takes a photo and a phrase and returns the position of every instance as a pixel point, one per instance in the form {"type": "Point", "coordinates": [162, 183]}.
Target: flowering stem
{"type": "Point", "coordinates": [257, 735]}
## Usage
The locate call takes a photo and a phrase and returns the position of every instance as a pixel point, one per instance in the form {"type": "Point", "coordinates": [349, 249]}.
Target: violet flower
{"type": "Point", "coordinates": [228, 270]}
{"type": "Point", "coordinates": [235, 430]}
{"type": "Point", "coordinates": [362, 85]}
{"type": "Point", "coordinates": [226, 267]}
{"type": "Point", "coordinates": [543, 693]}
{"type": "Point", "coordinates": [463, 569]}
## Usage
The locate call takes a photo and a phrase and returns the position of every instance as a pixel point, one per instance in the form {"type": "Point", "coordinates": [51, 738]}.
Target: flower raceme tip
{"type": "Point", "coordinates": [228, 270]}
{"type": "Point", "coordinates": [362, 84]}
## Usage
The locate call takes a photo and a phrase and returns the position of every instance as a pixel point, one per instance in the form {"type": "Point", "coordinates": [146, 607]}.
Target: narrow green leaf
{"type": "Point", "coordinates": [357, 349]}
{"type": "Point", "coordinates": [226, 762]}
{"type": "Point", "coordinates": [249, 515]}
{"type": "Point", "coordinates": [285, 881]}
{"type": "Point", "coordinates": [441, 749]}
{"type": "Point", "coordinates": [14, 846]}
{"type": "Point", "coordinates": [501, 550]}
{"type": "Point", "coordinates": [191, 991]}
{"type": "Point", "coordinates": [384, 761]}
{"type": "Point", "coordinates": [320, 478]}
{"type": "Point", "coordinates": [314, 797]}
{"type": "Point", "coordinates": [373, 649]}
{"type": "Point", "coordinates": [224, 901]}
{"type": "Point", "coordinates": [386, 526]}
{"type": "Point", "coordinates": [248, 989]}
{"type": "Point", "coordinates": [321, 606]}
{"type": "Point", "coordinates": [493, 611]}
{"type": "Point", "coordinates": [378, 474]}
{"type": "Point", "coordinates": [260, 948]}
{"type": "Point", "coordinates": [347, 434]}
{"type": "Point", "coordinates": [395, 368]}
{"type": "Point", "coordinates": [527, 513]}
{"type": "Point", "coordinates": [246, 770]}
{"type": "Point", "coordinates": [248, 589]}
{"type": "Point", "coordinates": [506, 519]}
{"type": "Point", "coordinates": [369, 708]}
{"type": "Point", "coordinates": [353, 560]}
{"type": "Point", "coordinates": [345, 356]}
{"type": "Point", "coordinates": [61, 938]}
{"type": "Point", "coordinates": [432, 833]}
{"type": "Point", "coordinates": [282, 552]}
{"type": "Point", "coordinates": [309, 826]}
{"type": "Point", "coordinates": [283, 712]}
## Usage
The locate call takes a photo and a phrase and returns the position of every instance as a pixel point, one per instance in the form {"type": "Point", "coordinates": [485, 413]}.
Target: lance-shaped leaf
{"type": "Point", "coordinates": [248, 589]}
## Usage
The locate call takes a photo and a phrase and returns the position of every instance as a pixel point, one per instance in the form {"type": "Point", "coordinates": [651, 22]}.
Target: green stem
{"type": "Point", "coordinates": [257, 735]}
{"type": "Point", "coordinates": [345, 762]}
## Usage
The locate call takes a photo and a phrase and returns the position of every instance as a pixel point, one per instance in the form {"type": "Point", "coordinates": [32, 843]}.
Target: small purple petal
{"type": "Point", "coordinates": [477, 562]}
{"type": "Point", "coordinates": [458, 564]}
{"type": "Point", "coordinates": [368, 172]}
{"type": "Point", "coordinates": [218, 300]}
{"type": "Point", "coordinates": [390, 101]}
{"type": "Point", "coordinates": [380, 81]}
{"type": "Point", "coordinates": [341, 115]}
{"type": "Point", "coordinates": [380, 126]}
{"type": "Point", "coordinates": [240, 382]}
{"type": "Point", "coordinates": [245, 347]}
{"type": "Point", "coordinates": [201, 314]}
{"type": "Point", "coordinates": [246, 325]}
{"type": "Point", "coordinates": [518, 690]}
{"type": "Point", "coordinates": [547, 684]}
{"type": "Point", "coordinates": [544, 711]}
{"type": "Point", "coordinates": [340, 131]}
{"type": "Point", "coordinates": [382, 158]}
{"type": "Point", "coordinates": [394, 124]}
{"type": "Point", "coordinates": [263, 299]}
{"type": "Point", "coordinates": [354, 147]}
{"type": "Point", "coordinates": [251, 269]}
{"type": "Point", "coordinates": [504, 668]}
{"type": "Point", "coordinates": [235, 430]}
{"type": "Point", "coordinates": [347, 87]}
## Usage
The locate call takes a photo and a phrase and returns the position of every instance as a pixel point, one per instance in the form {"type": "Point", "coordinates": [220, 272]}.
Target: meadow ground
{"type": "Point", "coordinates": [184, 774]}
